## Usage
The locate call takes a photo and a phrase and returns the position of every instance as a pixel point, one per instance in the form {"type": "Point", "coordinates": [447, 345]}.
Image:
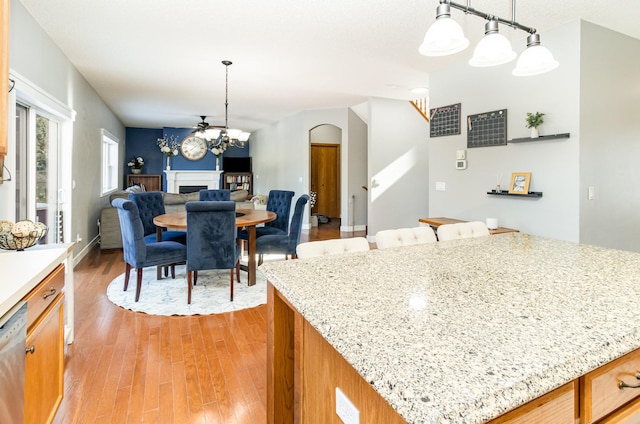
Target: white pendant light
{"type": "Point", "coordinates": [444, 36]}
{"type": "Point", "coordinates": [494, 49]}
{"type": "Point", "coordinates": [535, 59]}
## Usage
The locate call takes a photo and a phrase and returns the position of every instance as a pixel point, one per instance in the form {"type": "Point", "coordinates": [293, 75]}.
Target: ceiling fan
{"type": "Point", "coordinates": [206, 131]}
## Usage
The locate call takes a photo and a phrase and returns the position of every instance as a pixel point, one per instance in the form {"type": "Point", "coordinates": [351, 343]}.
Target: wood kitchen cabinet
{"type": "Point", "coordinates": [44, 367]}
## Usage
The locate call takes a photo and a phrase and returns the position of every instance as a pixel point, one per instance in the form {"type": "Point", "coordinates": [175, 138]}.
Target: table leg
{"type": "Point", "coordinates": [159, 238]}
{"type": "Point", "coordinates": [251, 249]}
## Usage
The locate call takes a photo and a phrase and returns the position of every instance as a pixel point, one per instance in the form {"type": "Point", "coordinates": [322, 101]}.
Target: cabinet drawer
{"type": "Point", "coordinates": [44, 294]}
{"type": "Point", "coordinates": [600, 388]}
{"type": "Point", "coordinates": [558, 406]}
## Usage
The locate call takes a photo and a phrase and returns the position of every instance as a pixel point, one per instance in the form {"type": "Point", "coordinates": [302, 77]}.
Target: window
{"type": "Point", "coordinates": [109, 162]}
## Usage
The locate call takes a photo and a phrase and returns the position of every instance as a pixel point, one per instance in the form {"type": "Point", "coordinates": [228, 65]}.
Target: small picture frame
{"type": "Point", "coordinates": [520, 183]}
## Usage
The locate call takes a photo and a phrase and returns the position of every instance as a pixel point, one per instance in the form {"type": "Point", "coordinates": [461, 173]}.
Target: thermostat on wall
{"type": "Point", "coordinates": [461, 164]}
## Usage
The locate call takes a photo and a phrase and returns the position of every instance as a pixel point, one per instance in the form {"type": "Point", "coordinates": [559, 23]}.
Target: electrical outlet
{"type": "Point", "coordinates": [440, 186]}
{"type": "Point", "coordinates": [345, 409]}
{"type": "Point", "coordinates": [592, 193]}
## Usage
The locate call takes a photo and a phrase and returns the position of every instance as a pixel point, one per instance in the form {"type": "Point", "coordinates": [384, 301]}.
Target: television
{"type": "Point", "coordinates": [232, 164]}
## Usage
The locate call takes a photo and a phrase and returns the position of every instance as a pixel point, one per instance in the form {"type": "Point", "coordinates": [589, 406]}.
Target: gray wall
{"type": "Point", "coordinates": [610, 135]}
{"type": "Point", "coordinates": [554, 164]}
{"type": "Point", "coordinates": [281, 155]}
{"type": "Point", "coordinates": [398, 165]}
{"type": "Point", "coordinates": [34, 56]}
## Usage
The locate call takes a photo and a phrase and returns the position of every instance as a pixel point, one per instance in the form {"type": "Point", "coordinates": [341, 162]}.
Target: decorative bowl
{"type": "Point", "coordinates": [21, 235]}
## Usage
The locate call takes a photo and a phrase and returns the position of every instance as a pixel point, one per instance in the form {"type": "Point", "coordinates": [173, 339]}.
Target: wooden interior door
{"type": "Point", "coordinates": [325, 178]}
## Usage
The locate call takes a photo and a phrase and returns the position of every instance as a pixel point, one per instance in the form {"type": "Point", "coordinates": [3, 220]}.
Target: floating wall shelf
{"type": "Point", "coordinates": [541, 138]}
{"type": "Point", "coordinates": [506, 193]}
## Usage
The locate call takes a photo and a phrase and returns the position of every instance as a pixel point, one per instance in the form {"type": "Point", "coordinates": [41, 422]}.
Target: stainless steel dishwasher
{"type": "Point", "coordinates": [13, 340]}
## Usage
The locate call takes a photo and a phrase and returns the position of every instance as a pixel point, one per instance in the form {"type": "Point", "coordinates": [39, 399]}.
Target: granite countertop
{"type": "Point", "coordinates": [22, 271]}
{"type": "Point", "coordinates": [465, 330]}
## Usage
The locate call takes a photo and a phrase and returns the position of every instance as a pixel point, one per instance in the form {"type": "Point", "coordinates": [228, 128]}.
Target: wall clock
{"type": "Point", "coordinates": [193, 148]}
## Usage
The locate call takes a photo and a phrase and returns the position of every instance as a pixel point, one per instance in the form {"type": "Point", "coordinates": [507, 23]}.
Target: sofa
{"type": "Point", "coordinates": [109, 226]}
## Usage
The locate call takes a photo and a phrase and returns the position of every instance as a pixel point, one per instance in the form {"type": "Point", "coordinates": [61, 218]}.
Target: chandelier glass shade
{"type": "Point", "coordinates": [494, 49]}
{"type": "Point", "coordinates": [445, 37]}
{"type": "Point", "coordinates": [222, 137]}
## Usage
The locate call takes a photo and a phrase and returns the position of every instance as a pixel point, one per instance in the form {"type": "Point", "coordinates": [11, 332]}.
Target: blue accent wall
{"type": "Point", "coordinates": [143, 142]}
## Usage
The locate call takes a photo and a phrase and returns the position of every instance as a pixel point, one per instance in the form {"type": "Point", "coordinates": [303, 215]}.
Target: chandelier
{"type": "Point", "coordinates": [445, 37]}
{"type": "Point", "coordinates": [222, 137]}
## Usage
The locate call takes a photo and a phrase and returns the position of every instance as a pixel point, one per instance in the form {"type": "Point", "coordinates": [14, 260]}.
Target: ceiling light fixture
{"type": "Point", "coordinates": [221, 137]}
{"type": "Point", "coordinates": [445, 37]}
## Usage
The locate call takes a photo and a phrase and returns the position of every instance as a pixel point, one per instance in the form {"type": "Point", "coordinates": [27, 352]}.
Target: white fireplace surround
{"type": "Point", "coordinates": [178, 178]}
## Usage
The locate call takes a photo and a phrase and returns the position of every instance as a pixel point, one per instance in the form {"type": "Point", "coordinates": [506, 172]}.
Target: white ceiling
{"type": "Point", "coordinates": [157, 63]}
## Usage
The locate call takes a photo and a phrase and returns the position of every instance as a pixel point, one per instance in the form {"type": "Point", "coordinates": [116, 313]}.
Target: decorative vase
{"type": "Point", "coordinates": [217, 163]}
{"type": "Point", "coordinates": [168, 163]}
{"type": "Point", "coordinates": [534, 132]}
{"type": "Point", "coordinates": [136, 170]}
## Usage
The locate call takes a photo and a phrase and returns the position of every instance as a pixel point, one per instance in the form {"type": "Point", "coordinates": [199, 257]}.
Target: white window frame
{"type": "Point", "coordinates": [109, 160]}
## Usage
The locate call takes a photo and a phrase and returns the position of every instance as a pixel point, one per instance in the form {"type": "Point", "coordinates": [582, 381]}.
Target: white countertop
{"type": "Point", "coordinates": [22, 271]}
{"type": "Point", "coordinates": [463, 331]}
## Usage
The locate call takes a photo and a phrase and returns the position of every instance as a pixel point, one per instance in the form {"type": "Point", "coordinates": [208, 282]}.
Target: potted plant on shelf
{"type": "Point", "coordinates": [534, 120]}
{"type": "Point", "coordinates": [136, 164]}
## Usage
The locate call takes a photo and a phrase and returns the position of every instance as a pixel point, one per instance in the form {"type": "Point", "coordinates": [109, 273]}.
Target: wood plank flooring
{"type": "Point", "coordinates": [128, 367]}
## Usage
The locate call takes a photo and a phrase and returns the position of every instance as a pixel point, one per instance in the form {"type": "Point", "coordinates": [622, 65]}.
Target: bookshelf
{"type": "Point", "coordinates": [151, 182]}
{"type": "Point", "coordinates": [238, 181]}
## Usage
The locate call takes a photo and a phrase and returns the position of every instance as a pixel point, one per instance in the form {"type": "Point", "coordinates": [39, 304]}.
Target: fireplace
{"type": "Point", "coordinates": [201, 178]}
{"type": "Point", "coordinates": [186, 189]}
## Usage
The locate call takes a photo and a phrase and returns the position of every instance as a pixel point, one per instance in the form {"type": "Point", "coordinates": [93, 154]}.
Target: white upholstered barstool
{"type": "Point", "coordinates": [331, 247]}
{"type": "Point", "coordinates": [404, 237]}
{"type": "Point", "coordinates": [462, 230]}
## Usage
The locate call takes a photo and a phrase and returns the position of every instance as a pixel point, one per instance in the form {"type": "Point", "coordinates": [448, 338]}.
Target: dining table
{"type": "Point", "coordinates": [245, 218]}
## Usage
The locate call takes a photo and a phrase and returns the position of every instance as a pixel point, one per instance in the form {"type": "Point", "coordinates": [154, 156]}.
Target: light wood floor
{"type": "Point", "coordinates": [128, 367]}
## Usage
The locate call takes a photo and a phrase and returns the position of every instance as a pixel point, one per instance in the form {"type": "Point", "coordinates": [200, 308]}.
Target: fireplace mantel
{"type": "Point", "coordinates": [177, 178]}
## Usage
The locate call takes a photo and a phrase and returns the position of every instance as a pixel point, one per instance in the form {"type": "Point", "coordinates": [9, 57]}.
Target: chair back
{"type": "Point", "coordinates": [279, 201]}
{"type": "Point", "coordinates": [150, 204]}
{"type": "Point", "coordinates": [386, 239]}
{"type": "Point", "coordinates": [211, 235]}
{"type": "Point", "coordinates": [215, 195]}
{"type": "Point", "coordinates": [296, 224]}
{"type": "Point", "coordinates": [312, 249]}
{"type": "Point", "coordinates": [133, 245]}
{"type": "Point", "coordinates": [462, 230]}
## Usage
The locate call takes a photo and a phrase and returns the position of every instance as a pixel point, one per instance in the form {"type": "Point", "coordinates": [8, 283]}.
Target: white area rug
{"type": "Point", "coordinates": [169, 296]}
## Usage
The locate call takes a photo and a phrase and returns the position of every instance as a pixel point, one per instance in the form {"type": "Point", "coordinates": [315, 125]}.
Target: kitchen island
{"type": "Point", "coordinates": [457, 331]}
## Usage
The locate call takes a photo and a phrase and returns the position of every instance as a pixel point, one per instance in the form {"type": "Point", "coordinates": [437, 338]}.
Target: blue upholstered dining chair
{"type": "Point", "coordinates": [279, 201]}
{"type": "Point", "coordinates": [151, 204]}
{"type": "Point", "coordinates": [137, 253]}
{"type": "Point", "coordinates": [284, 244]}
{"type": "Point", "coordinates": [211, 240]}
{"type": "Point", "coordinates": [215, 195]}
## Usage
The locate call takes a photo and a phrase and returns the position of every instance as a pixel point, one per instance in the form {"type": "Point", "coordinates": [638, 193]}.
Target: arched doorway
{"type": "Point", "coordinates": [325, 142]}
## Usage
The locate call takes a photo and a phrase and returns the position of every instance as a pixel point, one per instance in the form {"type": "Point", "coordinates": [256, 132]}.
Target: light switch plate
{"type": "Point", "coordinates": [441, 186]}
{"type": "Point", "coordinates": [461, 164]}
{"type": "Point", "coordinates": [347, 412]}
{"type": "Point", "coordinates": [461, 154]}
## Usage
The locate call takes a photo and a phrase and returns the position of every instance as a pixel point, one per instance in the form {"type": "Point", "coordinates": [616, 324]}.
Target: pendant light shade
{"type": "Point", "coordinates": [535, 59]}
{"type": "Point", "coordinates": [444, 36]}
{"type": "Point", "coordinates": [494, 49]}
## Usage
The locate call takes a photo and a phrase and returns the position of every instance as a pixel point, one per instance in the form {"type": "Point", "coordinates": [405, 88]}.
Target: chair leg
{"type": "Point", "coordinates": [231, 297]}
{"type": "Point", "coordinates": [189, 286]}
{"type": "Point", "coordinates": [294, 256]}
{"type": "Point", "coordinates": [166, 270]}
{"type": "Point", "coordinates": [173, 271]}
{"type": "Point", "coordinates": [195, 277]}
{"type": "Point", "coordinates": [260, 259]}
{"type": "Point", "coordinates": [138, 283]}
{"type": "Point", "coordinates": [127, 270]}
{"type": "Point", "coordinates": [238, 271]}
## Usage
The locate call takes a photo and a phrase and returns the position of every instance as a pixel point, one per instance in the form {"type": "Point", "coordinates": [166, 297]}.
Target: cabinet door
{"type": "Point", "coordinates": [44, 367]}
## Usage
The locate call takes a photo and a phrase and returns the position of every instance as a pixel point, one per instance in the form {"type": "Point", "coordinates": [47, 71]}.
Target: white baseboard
{"type": "Point", "coordinates": [351, 228]}
{"type": "Point", "coordinates": [81, 254]}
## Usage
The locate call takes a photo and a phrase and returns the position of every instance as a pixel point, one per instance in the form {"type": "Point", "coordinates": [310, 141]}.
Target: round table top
{"type": "Point", "coordinates": [248, 218]}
